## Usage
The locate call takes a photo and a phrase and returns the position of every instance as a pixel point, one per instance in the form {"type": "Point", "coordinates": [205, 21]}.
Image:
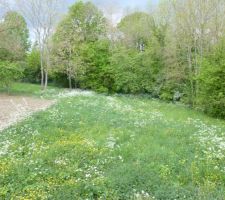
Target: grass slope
{"type": "Point", "coordinates": [91, 146]}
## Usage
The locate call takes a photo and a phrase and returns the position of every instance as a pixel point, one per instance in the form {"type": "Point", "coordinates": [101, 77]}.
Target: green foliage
{"type": "Point", "coordinates": [136, 28]}
{"type": "Point", "coordinates": [122, 69]}
{"type": "Point", "coordinates": [78, 35]}
{"type": "Point", "coordinates": [88, 20]}
{"type": "Point", "coordinates": [9, 72]}
{"type": "Point", "coordinates": [32, 69]}
{"type": "Point", "coordinates": [14, 41]}
{"type": "Point", "coordinates": [96, 60]}
{"type": "Point", "coordinates": [143, 54]}
{"type": "Point", "coordinates": [171, 81]}
{"type": "Point", "coordinates": [134, 71]}
{"type": "Point", "coordinates": [18, 28]}
{"type": "Point", "coordinates": [211, 97]}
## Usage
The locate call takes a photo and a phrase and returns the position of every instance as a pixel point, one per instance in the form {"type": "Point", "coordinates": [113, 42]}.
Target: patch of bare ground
{"type": "Point", "coordinates": [16, 108]}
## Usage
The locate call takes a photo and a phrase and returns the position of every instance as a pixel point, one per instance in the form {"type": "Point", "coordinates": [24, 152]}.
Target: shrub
{"type": "Point", "coordinates": [133, 71]}
{"type": "Point", "coordinates": [95, 75]}
{"type": "Point", "coordinates": [9, 72]}
{"type": "Point", "coordinates": [32, 68]}
{"type": "Point", "coordinates": [211, 96]}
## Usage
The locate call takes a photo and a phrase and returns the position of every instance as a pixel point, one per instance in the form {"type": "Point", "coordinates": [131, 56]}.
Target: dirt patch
{"type": "Point", "coordinates": [16, 108]}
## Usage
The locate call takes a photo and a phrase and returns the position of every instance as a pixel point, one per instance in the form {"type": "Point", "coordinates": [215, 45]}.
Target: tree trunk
{"type": "Point", "coordinates": [190, 67]}
{"type": "Point", "coordinates": [70, 79]}
{"type": "Point", "coordinates": [70, 71]}
{"type": "Point", "coordinates": [47, 66]}
{"type": "Point", "coordinates": [46, 79]}
{"type": "Point", "coordinates": [42, 68]}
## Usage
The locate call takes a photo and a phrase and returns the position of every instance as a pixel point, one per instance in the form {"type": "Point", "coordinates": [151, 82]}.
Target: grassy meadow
{"type": "Point", "coordinates": [94, 146]}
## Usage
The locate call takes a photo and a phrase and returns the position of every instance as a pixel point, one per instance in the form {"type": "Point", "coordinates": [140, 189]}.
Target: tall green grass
{"type": "Point", "coordinates": [92, 146]}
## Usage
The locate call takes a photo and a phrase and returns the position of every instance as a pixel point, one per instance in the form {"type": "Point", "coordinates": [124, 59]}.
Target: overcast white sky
{"type": "Point", "coordinates": [122, 3]}
{"type": "Point", "coordinates": [117, 7]}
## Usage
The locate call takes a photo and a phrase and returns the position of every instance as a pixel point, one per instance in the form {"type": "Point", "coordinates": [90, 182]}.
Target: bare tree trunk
{"type": "Point", "coordinates": [196, 70]}
{"type": "Point", "coordinates": [46, 79]}
{"type": "Point", "coordinates": [189, 58]}
{"type": "Point", "coordinates": [70, 71]}
{"type": "Point", "coordinates": [47, 66]}
{"type": "Point", "coordinates": [70, 81]}
{"type": "Point", "coordinates": [75, 83]}
{"type": "Point", "coordinates": [42, 69]}
{"type": "Point", "coordinates": [42, 16]}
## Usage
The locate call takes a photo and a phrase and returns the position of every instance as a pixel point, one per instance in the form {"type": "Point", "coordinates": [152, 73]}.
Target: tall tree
{"type": "Point", "coordinates": [14, 40]}
{"type": "Point", "coordinates": [194, 27]}
{"type": "Point", "coordinates": [83, 24]}
{"type": "Point", "coordinates": [42, 16]}
{"type": "Point", "coordinates": [137, 29]}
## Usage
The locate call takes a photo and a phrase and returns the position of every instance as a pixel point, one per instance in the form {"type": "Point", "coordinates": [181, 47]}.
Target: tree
{"type": "Point", "coordinates": [14, 42]}
{"type": "Point", "coordinates": [136, 58]}
{"type": "Point", "coordinates": [33, 66]}
{"type": "Point", "coordinates": [9, 72]}
{"type": "Point", "coordinates": [211, 98]}
{"type": "Point", "coordinates": [83, 24]}
{"type": "Point", "coordinates": [42, 16]}
{"type": "Point", "coordinates": [196, 27]}
{"type": "Point", "coordinates": [14, 45]}
{"type": "Point", "coordinates": [137, 29]}
{"type": "Point", "coordinates": [96, 59]}
{"type": "Point", "coordinates": [134, 71]}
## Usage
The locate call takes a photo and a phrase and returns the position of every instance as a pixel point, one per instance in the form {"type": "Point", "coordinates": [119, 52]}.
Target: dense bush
{"type": "Point", "coordinates": [95, 74]}
{"type": "Point", "coordinates": [211, 97]}
{"type": "Point", "coordinates": [133, 71]}
{"type": "Point", "coordinates": [32, 69]}
{"type": "Point", "coordinates": [9, 72]}
{"type": "Point", "coordinates": [14, 44]}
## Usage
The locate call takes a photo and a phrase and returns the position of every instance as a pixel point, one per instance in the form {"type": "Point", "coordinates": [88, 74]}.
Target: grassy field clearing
{"type": "Point", "coordinates": [92, 146]}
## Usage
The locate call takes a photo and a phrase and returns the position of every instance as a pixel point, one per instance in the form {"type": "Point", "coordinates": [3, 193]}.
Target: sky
{"type": "Point", "coordinates": [117, 8]}
{"type": "Point", "coordinates": [123, 3]}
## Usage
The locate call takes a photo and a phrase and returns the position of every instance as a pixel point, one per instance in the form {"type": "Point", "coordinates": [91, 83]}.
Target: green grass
{"type": "Point", "coordinates": [93, 146]}
{"type": "Point", "coordinates": [31, 90]}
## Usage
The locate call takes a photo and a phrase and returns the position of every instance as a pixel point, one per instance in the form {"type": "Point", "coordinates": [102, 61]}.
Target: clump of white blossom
{"type": "Point", "coordinates": [142, 195]}
{"type": "Point", "coordinates": [111, 142]}
{"type": "Point", "coordinates": [61, 161]}
{"type": "Point", "coordinates": [75, 92]}
{"type": "Point", "coordinates": [210, 137]}
{"type": "Point", "coordinates": [4, 146]}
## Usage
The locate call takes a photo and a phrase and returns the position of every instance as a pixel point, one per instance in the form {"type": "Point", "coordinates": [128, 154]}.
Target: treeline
{"type": "Point", "coordinates": [176, 52]}
{"type": "Point", "coordinates": [14, 45]}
